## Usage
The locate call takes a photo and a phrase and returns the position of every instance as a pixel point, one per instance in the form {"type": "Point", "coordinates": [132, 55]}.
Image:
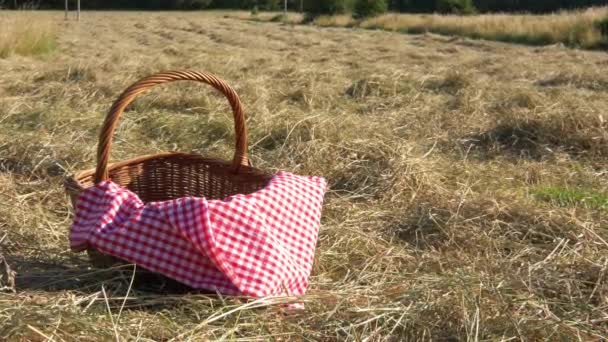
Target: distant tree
{"type": "Point", "coordinates": [421, 6]}
{"type": "Point", "coordinates": [193, 4]}
{"type": "Point", "coordinates": [602, 25]}
{"type": "Point", "coordinates": [455, 6]}
{"type": "Point", "coordinates": [369, 8]}
{"type": "Point", "coordinates": [318, 7]}
{"type": "Point", "coordinates": [271, 5]}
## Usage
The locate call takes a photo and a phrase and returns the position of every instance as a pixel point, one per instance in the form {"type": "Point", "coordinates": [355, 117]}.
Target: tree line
{"type": "Point", "coordinates": [324, 6]}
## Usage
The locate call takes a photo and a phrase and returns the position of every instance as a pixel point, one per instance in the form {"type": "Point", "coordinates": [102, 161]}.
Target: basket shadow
{"type": "Point", "coordinates": [79, 275]}
{"type": "Point", "coordinates": [146, 291]}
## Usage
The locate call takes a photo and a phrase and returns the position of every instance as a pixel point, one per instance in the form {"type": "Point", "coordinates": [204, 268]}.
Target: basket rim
{"type": "Point", "coordinates": [73, 181]}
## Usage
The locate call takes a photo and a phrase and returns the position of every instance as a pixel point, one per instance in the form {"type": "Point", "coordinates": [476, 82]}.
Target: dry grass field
{"type": "Point", "coordinates": [24, 35]}
{"type": "Point", "coordinates": [469, 179]}
{"type": "Point", "coordinates": [574, 28]}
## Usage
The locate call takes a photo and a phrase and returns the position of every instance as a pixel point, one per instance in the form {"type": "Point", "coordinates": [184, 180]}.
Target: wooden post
{"type": "Point", "coordinates": [66, 9]}
{"type": "Point", "coordinates": [78, 11]}
{"type": "Point", "coordinates": [285, 8]}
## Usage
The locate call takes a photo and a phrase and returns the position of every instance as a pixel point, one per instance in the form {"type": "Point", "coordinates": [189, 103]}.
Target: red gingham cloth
{"type": "Point", "coordinates": [258, 245]}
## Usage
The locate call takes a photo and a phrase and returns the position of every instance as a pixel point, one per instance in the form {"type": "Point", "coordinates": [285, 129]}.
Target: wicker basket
{"type": "Point", "coordinates": [168, 176]}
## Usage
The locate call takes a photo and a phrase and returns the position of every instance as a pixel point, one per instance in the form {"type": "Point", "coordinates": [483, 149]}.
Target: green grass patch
{"type": "Point", "coordinates": [572, 197]}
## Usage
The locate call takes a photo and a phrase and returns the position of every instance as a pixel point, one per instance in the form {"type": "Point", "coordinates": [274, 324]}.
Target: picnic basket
{"type": "Point", "coordinates": [168, 176]}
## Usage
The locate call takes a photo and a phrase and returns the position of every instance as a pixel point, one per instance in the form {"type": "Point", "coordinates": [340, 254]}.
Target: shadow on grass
{"type": "Point", "coordinates": [424, 228]}
{"type": "Point", "coordinates": [103, 288]}
{"type": "Point", "coordinates": [587, 81]}
{"type": "Point", "coordinates": [532, 139]}
{"type": "Point", "coordinates": [447, 223]}
{"type": "Point", "coordinates": [79, 275]}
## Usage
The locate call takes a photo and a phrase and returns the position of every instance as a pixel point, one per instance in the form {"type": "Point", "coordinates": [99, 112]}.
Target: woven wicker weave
{"type": "Point", "coordinates": [170, 175]}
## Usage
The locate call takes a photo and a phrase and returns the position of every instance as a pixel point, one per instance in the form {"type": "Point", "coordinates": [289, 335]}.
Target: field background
{"type": "Point", "coordinates": [469, 186]}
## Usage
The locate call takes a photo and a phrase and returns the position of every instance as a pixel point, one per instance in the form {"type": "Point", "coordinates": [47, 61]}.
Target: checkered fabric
{"type": "Point", "coordinates": [258, 245]}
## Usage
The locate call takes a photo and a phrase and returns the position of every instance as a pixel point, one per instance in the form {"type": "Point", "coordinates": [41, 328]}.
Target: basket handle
{"type": "Point", "coordinates": [111, 121]}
